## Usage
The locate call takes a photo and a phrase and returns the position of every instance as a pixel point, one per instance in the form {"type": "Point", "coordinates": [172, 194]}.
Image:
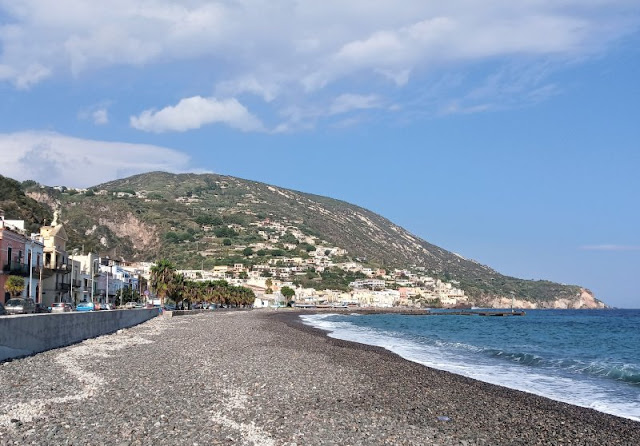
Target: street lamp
{"type": "Point", "coordinates": [31, 270]}
{"type": "Point", "coordinates": [106, 291]}
{"type": "Point", "coordinates": [73, 253]}
{"type": "Point", "coordinates": [93, 274]}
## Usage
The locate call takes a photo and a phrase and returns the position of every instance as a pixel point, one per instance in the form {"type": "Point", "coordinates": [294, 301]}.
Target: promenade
{"type": "Point", "coordinates": [258, 378]}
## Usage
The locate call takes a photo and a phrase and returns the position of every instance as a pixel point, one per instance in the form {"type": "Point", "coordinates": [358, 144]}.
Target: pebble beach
{"type": "Point", "coordinates": [262, 378]}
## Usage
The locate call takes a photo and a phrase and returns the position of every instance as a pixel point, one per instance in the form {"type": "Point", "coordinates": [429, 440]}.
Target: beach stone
{"type": "Point", "coordinates": [261, 377]}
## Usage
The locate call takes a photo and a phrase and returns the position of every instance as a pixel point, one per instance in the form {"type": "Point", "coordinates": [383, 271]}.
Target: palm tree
{"type": "Point", "coordinates": [177, 288]}
{"type": "Point", "coordinates": [162, 274]}
{"type": "Point", "coordinates": [14, 285]}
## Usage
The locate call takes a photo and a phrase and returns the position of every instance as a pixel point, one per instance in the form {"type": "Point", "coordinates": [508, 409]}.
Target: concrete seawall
{"type": "Point", "coordinates": [23, 335]}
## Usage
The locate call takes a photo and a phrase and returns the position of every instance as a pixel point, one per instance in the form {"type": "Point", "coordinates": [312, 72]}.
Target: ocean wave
{"type": "Point", "coordinates": [594, 384]}
{"type": "Point", "coordinates": [518, 357]}
{"type": "Point", "coordinates": [627, 373]}
{"type": "Point", "coordinates": [621, 372]}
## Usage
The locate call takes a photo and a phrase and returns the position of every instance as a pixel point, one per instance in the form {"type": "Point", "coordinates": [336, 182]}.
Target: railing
{"type": "Point", "coordinates": [18, 269]}
{"type": "Point", "coordinates": [63, 287]}
{"type": "Point", "coordinates": [51, 268]}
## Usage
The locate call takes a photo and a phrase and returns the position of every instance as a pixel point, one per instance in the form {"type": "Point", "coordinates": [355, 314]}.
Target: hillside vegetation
{"type": "Point", "coordinates": [206, 220]}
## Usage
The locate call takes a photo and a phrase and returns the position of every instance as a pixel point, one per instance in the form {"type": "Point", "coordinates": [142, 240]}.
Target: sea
{"type": "Point", "coordinates": [588, 358]}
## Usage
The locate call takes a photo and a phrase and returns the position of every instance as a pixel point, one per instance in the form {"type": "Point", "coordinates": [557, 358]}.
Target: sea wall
{"type": "Point", "coordinates": [24, 335]}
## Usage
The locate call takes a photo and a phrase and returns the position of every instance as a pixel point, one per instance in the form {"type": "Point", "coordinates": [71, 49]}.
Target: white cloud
{"type": "Point", "coordinates": [54, 159]}
{"type": "Point", "coordinates": [98, 113]}
{"type": "Point", "coordinates": [286, 52]}
{"type": "Point", "coordinates": [302, 39]}
{"type": "Point", "coordinates": [611, 247]}
{"type": "Point", "coordinates": [301, 117]}
{"type": "Point", "coordinates": [348, 102]}
{"type": "Point", "coordinates": [100, 116]}
{"type": "Point", "coordinates": [457, 109]}
{"type": "Point", "coordinates": [249, 84]}
{"type": "Point", "coordinates": [193, 113]}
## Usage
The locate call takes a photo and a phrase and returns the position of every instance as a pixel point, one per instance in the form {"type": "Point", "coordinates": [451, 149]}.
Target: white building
{"type": "Point", "coordinates": [34, 247]}
{"type": "Point", "coordinates": [371, 284]}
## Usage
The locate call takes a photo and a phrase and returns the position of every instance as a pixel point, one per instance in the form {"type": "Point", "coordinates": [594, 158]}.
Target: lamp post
{"type": "Point", "coordinates": [31, 270]}
{"type": "Point", "coordinates": [93, 275]}
{"type": "Point", "coordinates": [73, 253]}
{"type": "Point", "coordinates": [106, 291]}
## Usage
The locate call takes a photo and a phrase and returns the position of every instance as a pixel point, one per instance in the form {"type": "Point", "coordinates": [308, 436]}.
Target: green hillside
{"type": "Point", "coordinates": [207, 220]}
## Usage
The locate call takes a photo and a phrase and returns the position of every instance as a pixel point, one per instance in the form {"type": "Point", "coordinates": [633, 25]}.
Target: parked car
{"type": "Point", "coordinates": [130, 305]}
{"type": "Point", "coordinates": [85, 306]}
{"type": "Point", "coordinates": [2, 311]}
{"type": "Point", "coordinates": [41, 308]}
{"type": "Point", "coordinates": [61, 307]}
{"type": "Point", "coordinates": [19, 305]}
{"type": "Point", "coordinates": [106, 306]}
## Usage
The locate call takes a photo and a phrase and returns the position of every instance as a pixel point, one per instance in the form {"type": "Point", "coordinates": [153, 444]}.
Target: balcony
{"type": "Point", "coordinates": [16, 269]}
{"type": "Point", "coordinates": [50, 269]}
{"type": "Point", "coordinates": [63, 287]}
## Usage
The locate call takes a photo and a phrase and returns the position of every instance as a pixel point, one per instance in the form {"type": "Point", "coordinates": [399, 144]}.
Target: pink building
{"type": "Point", "coordinates": [12, 257]}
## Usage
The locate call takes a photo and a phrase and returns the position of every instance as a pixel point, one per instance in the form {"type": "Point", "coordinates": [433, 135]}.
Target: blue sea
{"type": "Point", "coordinates": [588, 358]}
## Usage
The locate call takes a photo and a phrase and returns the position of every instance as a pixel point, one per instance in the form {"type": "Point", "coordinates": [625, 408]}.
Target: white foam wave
{"type": "Point", "coordinates": [585, 392]}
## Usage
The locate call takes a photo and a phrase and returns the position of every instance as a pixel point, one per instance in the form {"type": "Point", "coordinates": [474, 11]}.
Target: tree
{"type": "Point", "coordinates": [14, 285]}
{"type": "Point", "coordinates": [161, 276]}
{"type": "Point", "coordinates": [307, 247]}
{"type": "Point", "coordinates": [247, 251]}
{"type": "Point", "coordinates": [288, 293]}
{"type": "Point", "coordinates": [226, 242]}
{"type": "Point", "coordinates": [176, 288]}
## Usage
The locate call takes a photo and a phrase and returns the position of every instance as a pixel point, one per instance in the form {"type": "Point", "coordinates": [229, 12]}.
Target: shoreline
{"type": "Point", "coordinates": [263, 378]}
{"type": "Point", "coordinates": [632, 416]}
{"type": "Point", "coordinates": [549, 412]}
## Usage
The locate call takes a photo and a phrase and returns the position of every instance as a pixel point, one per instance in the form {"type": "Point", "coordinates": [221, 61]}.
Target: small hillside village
{"type": "Point", "coordinates": [52, 273]}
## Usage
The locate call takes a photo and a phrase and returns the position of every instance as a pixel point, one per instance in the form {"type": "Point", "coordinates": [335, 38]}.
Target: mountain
{"type": "Point", "coordinates": [17, 206]}
{"type": "Point", "coordinates": [204, 220]}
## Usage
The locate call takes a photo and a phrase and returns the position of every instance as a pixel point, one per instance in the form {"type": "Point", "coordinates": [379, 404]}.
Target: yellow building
{"type": "Point", "coordinates": [56, 282]}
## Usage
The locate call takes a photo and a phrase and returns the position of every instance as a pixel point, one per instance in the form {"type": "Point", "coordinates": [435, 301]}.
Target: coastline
{"type": "Point", "coordinates": [482, 410]}
{"type": "Point", "coordinates": [263, 378]}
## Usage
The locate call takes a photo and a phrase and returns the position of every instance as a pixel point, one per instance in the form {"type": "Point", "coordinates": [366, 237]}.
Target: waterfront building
{"type": "Point", "coordinates": [12, 249]}
{"type": "Point", "coordinates": [34, 249]}
{"type": "Point", "coordinates": [56, 283]}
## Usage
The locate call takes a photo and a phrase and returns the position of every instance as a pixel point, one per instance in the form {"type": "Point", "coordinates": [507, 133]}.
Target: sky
{"type": "Point", "coordinates": [507, 132]}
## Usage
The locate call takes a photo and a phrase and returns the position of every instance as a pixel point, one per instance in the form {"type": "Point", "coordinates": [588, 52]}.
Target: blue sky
{"type": "Point", "coordinates": [508, 132]}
